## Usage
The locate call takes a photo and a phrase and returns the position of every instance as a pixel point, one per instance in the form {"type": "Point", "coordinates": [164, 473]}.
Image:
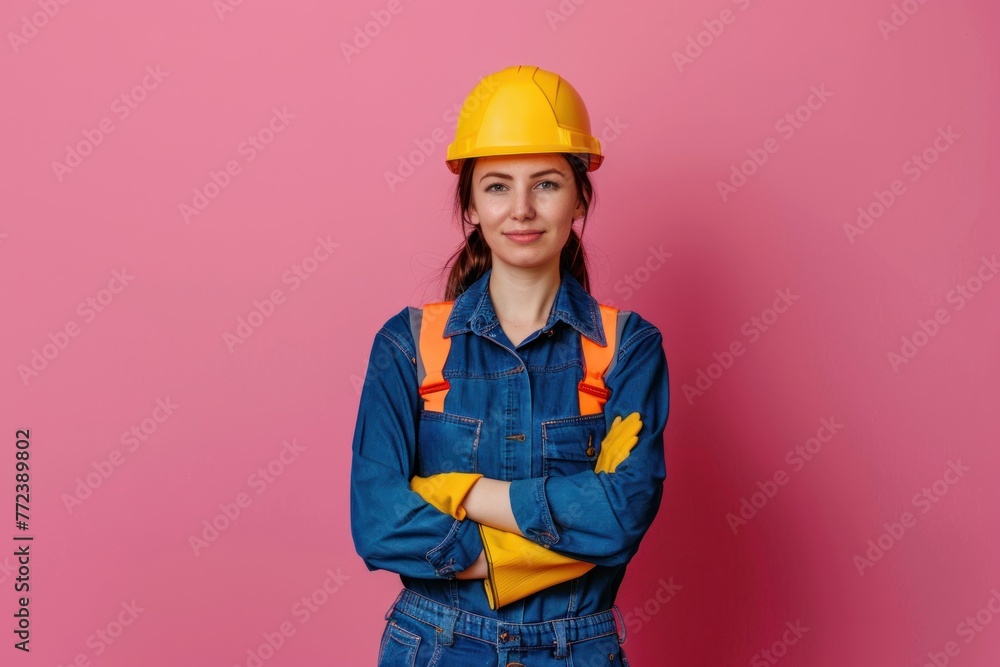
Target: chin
{"type": "Point", "coordinates": [525, 262]}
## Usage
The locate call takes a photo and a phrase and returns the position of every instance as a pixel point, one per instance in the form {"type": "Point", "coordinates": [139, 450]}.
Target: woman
{"type": "Point", "coordinates": [508, 454]}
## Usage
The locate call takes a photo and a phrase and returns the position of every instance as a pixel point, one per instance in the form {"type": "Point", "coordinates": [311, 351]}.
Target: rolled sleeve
{"type": "Point", "coordinates": [530, 507]}
{"type": "Point", "coordinates": [459, 549]}
{"type": "Point", "coordinates": [602, 517]}
{"type": "Point", "coordinates": [393, 528]}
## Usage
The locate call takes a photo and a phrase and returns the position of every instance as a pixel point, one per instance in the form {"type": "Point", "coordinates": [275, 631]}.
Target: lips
{"type": "Point", "coordinates": [524, 238]}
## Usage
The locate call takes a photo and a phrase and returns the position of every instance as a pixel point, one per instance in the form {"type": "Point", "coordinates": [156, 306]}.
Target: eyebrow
{"type": "Point", "coordinates": [535, 175]}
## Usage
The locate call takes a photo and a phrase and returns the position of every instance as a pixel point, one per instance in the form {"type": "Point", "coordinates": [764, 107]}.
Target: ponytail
{"type": "Point", "coordinates": [471, 261]}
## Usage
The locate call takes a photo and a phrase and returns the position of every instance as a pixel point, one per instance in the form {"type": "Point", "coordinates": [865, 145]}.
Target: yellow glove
{"type": "Point", "coordinates": [518, 566]}
{"type": "Point", "coordinates": [446, 491]}
{"type": "Point", "coordinates": [618, 443]}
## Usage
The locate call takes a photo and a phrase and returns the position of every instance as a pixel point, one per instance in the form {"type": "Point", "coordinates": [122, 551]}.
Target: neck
{"type": "Point", "coordinates": [523, 296]}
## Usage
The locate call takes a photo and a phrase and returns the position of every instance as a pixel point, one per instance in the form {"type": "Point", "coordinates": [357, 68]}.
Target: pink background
{"type": "Point", "coordinates": [672, 132]}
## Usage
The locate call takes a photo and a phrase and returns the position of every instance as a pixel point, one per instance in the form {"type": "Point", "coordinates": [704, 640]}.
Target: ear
{"type": "Point", "coordinates": [473, 215]}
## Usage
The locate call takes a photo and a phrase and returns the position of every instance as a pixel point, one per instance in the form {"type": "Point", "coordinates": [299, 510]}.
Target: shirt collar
{"type": "Point", "coordinates": [473, 309]}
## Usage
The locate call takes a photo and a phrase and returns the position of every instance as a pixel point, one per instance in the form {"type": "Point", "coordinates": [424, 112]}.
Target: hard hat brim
{"type": "Point", "coordinates": [523, 110]}
{"type": "Point", "coordinates": [593, 160]}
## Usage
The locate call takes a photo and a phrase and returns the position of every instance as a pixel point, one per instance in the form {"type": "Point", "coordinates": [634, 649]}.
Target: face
{"type": "Point", "coordinates": [525, 206]}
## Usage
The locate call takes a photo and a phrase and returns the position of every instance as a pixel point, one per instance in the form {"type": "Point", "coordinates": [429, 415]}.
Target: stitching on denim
{"type": "Point", "coordinates": [554, 449]}
{"type": "Point", "coordinates": [470, 427]}
{"type": "Point", "coordinates": [552, 535]}
{"type": "Point", "coordinates": [621, 322]}
{"type": "Point", "coordinates": [452, 418]}
{"type": "Point", "coordinates": [637, 336]}
{"type": "Point", "coordinates": [552, 369]}
{"type": "Point", "coordinates": [399, 631]}
{"type": "Point", "coordinates": [395, 341]}
{"type": "Point", "coordinates": [625, 349]}
{"type": "Point", "coordinates": [459, 373]}
{"type": "Point", "coordinates": [448, 567]}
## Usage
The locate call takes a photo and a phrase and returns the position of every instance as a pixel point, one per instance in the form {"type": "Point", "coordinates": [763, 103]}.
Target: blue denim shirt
{"type": "Point", "coordinates": [512, 413]}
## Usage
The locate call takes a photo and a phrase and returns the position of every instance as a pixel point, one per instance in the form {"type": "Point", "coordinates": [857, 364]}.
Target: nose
{"type": "Point", "coordinates": [522, 206]}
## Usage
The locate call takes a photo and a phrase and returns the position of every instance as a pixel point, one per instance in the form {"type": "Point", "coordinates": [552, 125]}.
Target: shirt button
{"type": "Point", "coordinates": [550, 332]}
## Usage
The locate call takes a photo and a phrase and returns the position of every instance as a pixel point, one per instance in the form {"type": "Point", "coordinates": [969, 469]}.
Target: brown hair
{"type": "Point", "coordinates": [472, 259]}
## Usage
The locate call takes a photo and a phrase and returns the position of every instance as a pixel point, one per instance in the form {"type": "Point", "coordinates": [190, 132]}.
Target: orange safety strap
{"type": "Point", "coordinates": [593, 393]}
{"type": "Point", "coordinates": [434, 348]}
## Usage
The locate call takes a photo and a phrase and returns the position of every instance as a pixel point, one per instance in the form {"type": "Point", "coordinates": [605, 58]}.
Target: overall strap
{"type": "Point", "coordinates": [433, 349]}
{"type": "Point", "coordinates": [592, 391]}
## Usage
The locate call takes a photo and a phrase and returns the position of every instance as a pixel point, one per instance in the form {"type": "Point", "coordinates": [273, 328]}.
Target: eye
{"type": "Point", "coordinates": [489, 188]}
{"type": "Point", "coordinates": [552, 183]}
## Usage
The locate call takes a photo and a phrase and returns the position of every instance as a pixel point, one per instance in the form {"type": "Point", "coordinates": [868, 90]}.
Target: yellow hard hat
{"type": "Point", "coordinates": [519, 110]}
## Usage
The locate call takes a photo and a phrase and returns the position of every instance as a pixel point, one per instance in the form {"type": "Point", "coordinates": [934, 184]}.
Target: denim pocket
{"type": "Point", "coordinates": [572, 444]}
{"type": "Point", "coordinates": [603, 650]}
{"type": "Point", "coordinates": [447, 442]}
{"type": "Point", "coordinates": [399, 647]}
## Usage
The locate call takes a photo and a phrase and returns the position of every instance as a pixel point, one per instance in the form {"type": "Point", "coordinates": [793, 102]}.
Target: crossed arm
{"type": "Point", "coordinates": [488, 502]}
{"type": "Point", "coordinates": [397, 530]}
{"type": "Point", "coordinates": [513, 565]}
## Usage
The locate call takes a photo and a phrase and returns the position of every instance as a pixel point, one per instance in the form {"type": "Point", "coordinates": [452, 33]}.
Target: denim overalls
{"type": "Point", "coordinates": [512, 413]}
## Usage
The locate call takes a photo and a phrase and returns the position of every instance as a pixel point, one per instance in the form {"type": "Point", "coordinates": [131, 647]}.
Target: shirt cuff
{"type": "Point", "coordinates": [459, 550]}
{"type": "Point", "coordinates": [531, 510]}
